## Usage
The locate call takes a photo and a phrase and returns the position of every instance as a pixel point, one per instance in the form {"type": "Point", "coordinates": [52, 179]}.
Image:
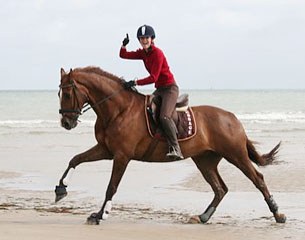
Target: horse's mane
{"type": "Point", "coordinates": [99, 71]}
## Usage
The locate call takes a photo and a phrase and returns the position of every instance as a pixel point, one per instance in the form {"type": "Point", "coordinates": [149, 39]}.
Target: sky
{"type": "Point", "coordinates": [209, 44]}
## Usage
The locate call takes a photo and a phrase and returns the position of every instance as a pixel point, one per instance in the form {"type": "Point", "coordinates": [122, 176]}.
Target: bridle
{"type": "Point", "coordinates": [78, 110]}
{"type": "Point", "coordinates": [82, 109]}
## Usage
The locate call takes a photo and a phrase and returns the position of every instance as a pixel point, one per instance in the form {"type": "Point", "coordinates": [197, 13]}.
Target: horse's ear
{"type": "Point", "coordinates": [62, 72]}
{"type": "Point", "coordinates": [70, 72]}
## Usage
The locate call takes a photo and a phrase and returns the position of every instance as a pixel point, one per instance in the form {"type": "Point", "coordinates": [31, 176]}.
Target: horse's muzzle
{"type": "Point", "coordinates": [68, 123]}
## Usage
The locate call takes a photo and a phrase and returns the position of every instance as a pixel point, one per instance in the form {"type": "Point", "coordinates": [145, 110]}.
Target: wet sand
{"type": "Point", "coordinates": [154, 201]}
{"type": "Point", "coordinates": [242, 216]}
{"type": "Point", "coordinates": [21, 224]}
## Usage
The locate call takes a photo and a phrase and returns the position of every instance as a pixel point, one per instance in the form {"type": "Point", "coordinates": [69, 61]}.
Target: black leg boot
{"type": "Point", "coordinates": [171, 135]}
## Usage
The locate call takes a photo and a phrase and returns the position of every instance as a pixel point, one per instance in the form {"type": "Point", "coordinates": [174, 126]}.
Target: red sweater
{"type": "Point", "coordinates": [155, 63]}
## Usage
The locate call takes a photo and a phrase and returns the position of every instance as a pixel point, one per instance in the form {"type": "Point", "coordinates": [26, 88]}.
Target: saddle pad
{"type": "Point", "coordinates": [185, 124]}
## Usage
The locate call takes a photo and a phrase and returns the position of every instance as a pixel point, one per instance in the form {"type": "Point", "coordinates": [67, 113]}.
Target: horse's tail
{"type": "Point", "coordinates": [262, 160]}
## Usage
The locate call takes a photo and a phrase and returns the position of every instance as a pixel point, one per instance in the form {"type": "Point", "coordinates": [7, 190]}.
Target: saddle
{"type": "Point", "coordinates": [183, 118]}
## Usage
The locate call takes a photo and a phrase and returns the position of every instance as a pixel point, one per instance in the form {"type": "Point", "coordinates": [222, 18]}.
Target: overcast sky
{"type": "Point", "coordinates": [219, 44]}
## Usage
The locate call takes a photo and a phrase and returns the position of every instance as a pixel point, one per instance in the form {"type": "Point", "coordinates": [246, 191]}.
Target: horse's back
{"type": "Point", "coordinates": [214, 113]}
{"type": "Point", "coordinates": [218, 125]}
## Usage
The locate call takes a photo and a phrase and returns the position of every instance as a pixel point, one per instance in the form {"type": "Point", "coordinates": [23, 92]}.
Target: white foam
{"type": "Point", "coordinates": [271, 117]}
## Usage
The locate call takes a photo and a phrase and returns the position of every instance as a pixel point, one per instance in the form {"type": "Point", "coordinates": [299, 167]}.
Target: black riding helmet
{"type": "Point", "coordinates": [146, 31]}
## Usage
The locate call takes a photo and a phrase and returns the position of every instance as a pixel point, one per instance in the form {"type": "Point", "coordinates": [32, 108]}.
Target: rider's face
{"type": "Point", "coordinates": [145, 42]}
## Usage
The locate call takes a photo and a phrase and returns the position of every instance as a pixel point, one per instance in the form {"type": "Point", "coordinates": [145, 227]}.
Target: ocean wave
{"type": "Point", "coordinates": [41, 126]}
{"type": "Point", "coordinates": [35, 123]}
{"type": "Point", "coordinates": [278, 130]}
{"type": "Point", "coordinates": [298, 117]}
{"type": "Point", "coordinates": [272, 117]}
{"type": "Point", "coordinates": [38, 123]}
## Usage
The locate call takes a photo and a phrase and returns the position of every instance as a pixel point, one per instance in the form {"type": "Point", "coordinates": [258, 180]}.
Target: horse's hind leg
{"type": "Point", "coordinates": [93, 154]}
{"type": "Point", "coordinates": [245, 165]}
{"type": "Point", "coordinates": [207, 164]}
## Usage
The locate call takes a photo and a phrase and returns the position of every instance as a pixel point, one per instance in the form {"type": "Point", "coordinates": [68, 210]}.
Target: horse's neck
{"type": "Point", "coordinates": [108, 98]}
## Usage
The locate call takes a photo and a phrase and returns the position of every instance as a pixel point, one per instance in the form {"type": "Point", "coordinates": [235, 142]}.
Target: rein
{"type": "Point", "coordinates": [86, 106]}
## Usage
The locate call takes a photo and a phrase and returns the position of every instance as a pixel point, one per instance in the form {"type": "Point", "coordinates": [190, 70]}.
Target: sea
{"type": "Point", "coordinates": [35, 150]}
{"type": "Point", "coordinates": [28, 113]}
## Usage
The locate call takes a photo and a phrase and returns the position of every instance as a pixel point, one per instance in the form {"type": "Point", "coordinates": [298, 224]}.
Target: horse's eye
{"type": "Point", "coordinates": [67, 96]}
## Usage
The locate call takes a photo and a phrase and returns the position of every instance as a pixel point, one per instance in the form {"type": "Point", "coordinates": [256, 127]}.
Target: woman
{"type": "Point", "coordinates": [166, 87]}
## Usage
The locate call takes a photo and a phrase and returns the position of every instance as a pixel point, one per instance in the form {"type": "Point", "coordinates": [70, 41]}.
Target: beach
{"type": "Point", "coordinates": [35, 225]}
{"type": "Point", "coordinates": [154, 200]}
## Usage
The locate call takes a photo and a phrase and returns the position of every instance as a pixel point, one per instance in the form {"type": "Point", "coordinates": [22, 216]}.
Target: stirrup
{"type": "Point", "coordinates": [174, 154]}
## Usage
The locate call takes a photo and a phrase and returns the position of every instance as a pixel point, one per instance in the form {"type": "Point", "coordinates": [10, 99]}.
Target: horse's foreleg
{"type": "Point", "coordinates": [93, 154]}
{"type": "Point", "coordinates": [208, 168]}
{"type": "Point", "coordinates": [118, 169]}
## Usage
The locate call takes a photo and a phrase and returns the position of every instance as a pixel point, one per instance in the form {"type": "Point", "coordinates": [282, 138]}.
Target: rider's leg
{"type": "Point", "coordinates": [169, 97]}
{"type": "Point", "coordinates": [171, 134]}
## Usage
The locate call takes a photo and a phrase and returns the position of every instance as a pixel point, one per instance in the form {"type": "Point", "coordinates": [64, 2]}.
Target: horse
{"type": "Point", "coordinates": [121, 134]}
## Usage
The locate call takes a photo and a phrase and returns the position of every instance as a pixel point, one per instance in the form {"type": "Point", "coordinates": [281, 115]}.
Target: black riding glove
{"type": "Point", "coordinates": [129, 84]}
{"type": "Point", "coordinates": [126, 40]}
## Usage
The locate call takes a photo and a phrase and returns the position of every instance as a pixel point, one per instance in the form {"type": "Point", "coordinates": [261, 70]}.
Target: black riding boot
{"type": "Point", "coordinates": [171, 134]}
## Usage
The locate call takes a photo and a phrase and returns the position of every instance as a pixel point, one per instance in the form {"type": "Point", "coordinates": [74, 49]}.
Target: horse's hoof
{"type": "Point", "coordinates": [93, 219]}
{"type": "Point", "coordinates": [194, 220]}
{"type": "Point", "coordinates": [60, 192]}
{"type": "Point", "coordinates": [280, 218]}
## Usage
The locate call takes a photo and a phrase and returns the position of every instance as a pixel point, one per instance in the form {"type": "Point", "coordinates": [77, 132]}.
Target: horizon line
{"type": "Point", "coordinates": [181, 89]}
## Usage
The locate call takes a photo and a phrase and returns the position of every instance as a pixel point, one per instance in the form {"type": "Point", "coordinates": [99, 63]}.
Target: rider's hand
{"type": "Point", "coordinates": [126, 40]}
{"type": "Point", "coordinates": [129, 84]}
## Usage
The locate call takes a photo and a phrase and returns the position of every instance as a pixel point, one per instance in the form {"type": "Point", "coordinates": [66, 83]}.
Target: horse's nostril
{"type": "Point", "coordinates": [66, 125]}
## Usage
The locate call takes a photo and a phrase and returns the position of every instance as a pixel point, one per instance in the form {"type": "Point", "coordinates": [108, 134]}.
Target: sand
{"type": "Point", "coordinates": [154, 201]}
{"type": "Point", "coordinates": [41, 224]}
{"type": "Point", "coordinates": [243, 214]}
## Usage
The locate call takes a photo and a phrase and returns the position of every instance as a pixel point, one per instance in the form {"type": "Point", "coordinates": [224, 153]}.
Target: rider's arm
{"type": "Point", "coordinates": [130, 55]}
{"type": "Point", "coordinates": [155, 69]}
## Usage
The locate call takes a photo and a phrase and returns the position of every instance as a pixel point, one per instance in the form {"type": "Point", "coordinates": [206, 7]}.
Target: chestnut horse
{"type": "Point", "coordinates": [121, 134]}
